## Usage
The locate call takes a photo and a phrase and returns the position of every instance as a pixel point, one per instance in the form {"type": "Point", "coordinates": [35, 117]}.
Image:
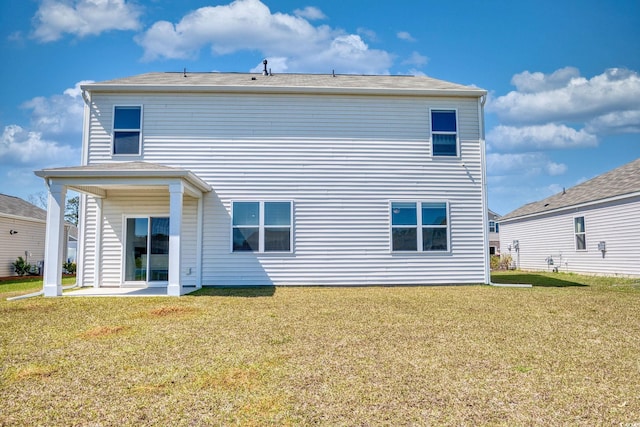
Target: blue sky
{"type": "Point", "coordinates": [563, 76]}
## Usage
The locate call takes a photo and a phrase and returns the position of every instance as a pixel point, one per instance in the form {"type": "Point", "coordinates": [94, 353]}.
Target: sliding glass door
{"type": "Point", "coordinates": [147, 249]}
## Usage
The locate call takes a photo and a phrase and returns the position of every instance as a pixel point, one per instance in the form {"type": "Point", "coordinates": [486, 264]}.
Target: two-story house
{"type": "Point", "coordinates": [223, 179]}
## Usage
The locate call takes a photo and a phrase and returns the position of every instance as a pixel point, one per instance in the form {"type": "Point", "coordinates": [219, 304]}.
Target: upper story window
{"type": "Point", "coordinates": [261, 226]}
{"type": "Point", "coordinates": [493, 227]}
{"type": "Point", "coordinates": [420, 226]}
{"type": "Point", "coordinates": [444, 133]}
{"type": "Point", "coordinates": [580, 233]}
{"type": "Point", "coordinates": [127, 130]}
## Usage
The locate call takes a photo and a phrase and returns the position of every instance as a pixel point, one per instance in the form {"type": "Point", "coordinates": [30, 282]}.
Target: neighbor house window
{"type": "Point", "coordinates": [444, 133]}
{"type": "Point", "coordinates": [493, 227]}
{"type": "Point", "coordinates": [262, 226]}
{"type": "Point", "coordinates": [419, 226]}
{"type": "Point", "coordinates": [127, 129]}
{"type": "Point", "coordinates": [581, 235]}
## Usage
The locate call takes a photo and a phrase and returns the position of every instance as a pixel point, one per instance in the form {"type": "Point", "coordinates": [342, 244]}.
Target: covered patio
{"type": "Point", "coordinates": [99, 182]}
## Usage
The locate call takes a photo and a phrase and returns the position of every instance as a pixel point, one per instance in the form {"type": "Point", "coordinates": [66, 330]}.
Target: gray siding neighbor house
{"type": "Point", "coordinates": [22, 233]}
{"type": "Point", "coordinates": [592, 228]}
{"type": "Point", "coordinates": [236, 179]}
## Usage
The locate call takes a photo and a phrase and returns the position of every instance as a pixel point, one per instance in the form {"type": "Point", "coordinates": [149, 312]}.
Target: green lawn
{"type": "Point", "coordinates": [565, 352]}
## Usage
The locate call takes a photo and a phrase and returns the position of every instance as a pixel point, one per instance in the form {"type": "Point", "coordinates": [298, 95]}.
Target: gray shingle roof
{"type": "Point", "coordinates": [624, 180]}
{"type": "Point", "coordinates": [10, 205]}
{"type": "Point", "coordinates": [246, 81]}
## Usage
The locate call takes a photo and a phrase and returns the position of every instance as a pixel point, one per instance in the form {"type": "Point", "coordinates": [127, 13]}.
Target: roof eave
{"type": "Point", "coordinates": [124, 173]}
{"type": "Point", "coordinates": [570, 207]}
{"type": "Point", "coordinates": [109, 88]}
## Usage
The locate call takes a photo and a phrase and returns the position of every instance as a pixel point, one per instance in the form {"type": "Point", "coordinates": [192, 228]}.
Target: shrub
{"type": "Point", "coordinates": [69, 267]}
{"type": "Point", "coordinates": [21, 267]}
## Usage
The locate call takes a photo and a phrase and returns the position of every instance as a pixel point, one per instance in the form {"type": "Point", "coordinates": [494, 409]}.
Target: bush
{"type": "Point", "coordinates": [69, 267]}
{"type": "Point", "coordinates": [21, 267]}
{"type": "Point", "coordinates": [495, 262]}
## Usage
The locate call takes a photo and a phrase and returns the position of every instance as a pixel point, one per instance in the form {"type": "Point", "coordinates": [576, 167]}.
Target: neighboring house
{"type": "Point", "coordinates": [22, 227]}
{"type": "Point", "coordinates": [592, 228]}
{"type": "Point", "coordinates": [231, 179]}
{"type": "Point", "coordinates": [494, 233]}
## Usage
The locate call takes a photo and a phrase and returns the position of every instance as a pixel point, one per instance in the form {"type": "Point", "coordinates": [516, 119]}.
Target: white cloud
{"type": "Point", "coordinates": [527, 82]}
{"type": "Point", "coordinates": [616, 122]}
{"type": "Point", "coordinates": [83, 17]}
{"type": "Point", "coordinates": [565, 96]}
{"type": "Point", "coordinates": [250, 25]}
{"type": "Point", "coordinates": [27, 148]}
{"type": "Point", "coordinates": [404, 35]}
{"type": "Point", "coordinates": [311, 13]}
{"type": "Point", "coordinates": [58, 114]}
{"type": "Point", "coordinates": [541, 137]}
{"type": "Point", "coordinates": [522, 164]}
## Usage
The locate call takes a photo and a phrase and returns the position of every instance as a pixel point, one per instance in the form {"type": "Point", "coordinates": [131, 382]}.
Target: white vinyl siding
{"type": "Point", "coordinates": [545, 236]}
{"type": "Point", "coordinates": [340, 158]}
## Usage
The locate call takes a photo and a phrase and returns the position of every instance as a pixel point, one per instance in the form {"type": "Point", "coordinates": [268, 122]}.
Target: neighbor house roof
{"type": "Point", "coordinates": [284, 83]}
{"type": "Point", "coordinates": [621, 182]}
{"type": "Point", "coordinates": [16, 207]}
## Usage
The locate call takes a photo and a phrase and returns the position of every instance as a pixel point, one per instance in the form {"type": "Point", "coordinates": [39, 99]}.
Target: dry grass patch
{"type": "Point", "coordinates": [103, 331]}
{"type": "Point", "coordinates": [33, 371]}
{"type": "Point", "coordinates": [172, 310]}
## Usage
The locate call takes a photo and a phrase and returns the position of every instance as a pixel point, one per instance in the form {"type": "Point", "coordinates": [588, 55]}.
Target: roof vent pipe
{"type": "Point", "coordinates": [265, 72]}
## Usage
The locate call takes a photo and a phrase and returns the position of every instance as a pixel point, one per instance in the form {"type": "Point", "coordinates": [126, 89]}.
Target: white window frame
{"type": "Point", "coordinates": [456, 133]}
{"type": "Point", "coordinates": [262, 227]}
{"type": "Point", "coordinates": [583, 233]}
{"type": "Point", "coordinates": [419, 227]}
{"type": "Point", "coordinates": [493, 227]}
{"type": "Point", "coordinates": [114, 130]}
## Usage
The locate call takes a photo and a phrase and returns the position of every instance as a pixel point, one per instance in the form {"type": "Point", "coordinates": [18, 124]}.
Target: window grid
{"type": "Point", "coordinates": [262, 235]}
{"type": "Point", "coordinates": [415, 236]}
{"type": "Point", "coordinates": [127, 130]}
{"type": "Point", "coordinates": [580, 233]}
{"type": "Point", "coordinates": [444, 132]}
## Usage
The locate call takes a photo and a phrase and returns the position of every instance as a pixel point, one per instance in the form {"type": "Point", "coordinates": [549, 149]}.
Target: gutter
{"type": "Point", "coordinates": [476, 93]}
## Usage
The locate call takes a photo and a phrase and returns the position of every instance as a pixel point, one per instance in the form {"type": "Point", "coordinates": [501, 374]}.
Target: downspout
{"type": "Point", "coordinates": [485, 199]}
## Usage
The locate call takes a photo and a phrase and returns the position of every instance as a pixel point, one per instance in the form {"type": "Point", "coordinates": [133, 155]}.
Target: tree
{"type": "Point", "coordinates": [71, 210]}
{"type": "Point", "coordinates": [40, 199]}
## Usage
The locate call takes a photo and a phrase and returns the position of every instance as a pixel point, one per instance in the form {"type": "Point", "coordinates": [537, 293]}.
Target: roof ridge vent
{"type": "Point", "coordinates": [265, 72]}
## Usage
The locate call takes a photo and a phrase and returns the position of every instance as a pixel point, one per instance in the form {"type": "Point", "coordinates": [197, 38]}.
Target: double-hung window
{"type": "Point", "coordinates": [444, 133]}
{"type": "Point", "coordinates": [127, 130]}
{"type": "Point", "coordinates": [263, 226]}
{"type": "Point", "coordinates": [420, 226]}
{"type": "Point", "coordinates": [580, 233]}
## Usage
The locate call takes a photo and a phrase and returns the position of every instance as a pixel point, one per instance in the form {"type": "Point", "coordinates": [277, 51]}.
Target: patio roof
{"type": "Point", "coordinates": [97, 179]}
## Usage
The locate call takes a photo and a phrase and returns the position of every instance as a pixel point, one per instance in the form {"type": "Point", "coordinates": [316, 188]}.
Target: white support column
{"type": "Point", "coordinates": [97, 276]}
{"type": "Point", "coordinates": [199, 242]}
{"type": "Point", "coordinates": [176, 191]}
{"type": "Point", "coordinates": [54, 240]}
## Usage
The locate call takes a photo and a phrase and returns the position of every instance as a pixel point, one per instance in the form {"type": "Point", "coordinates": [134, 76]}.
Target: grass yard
{"type": "Point", "coordinates": [565, 352]}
